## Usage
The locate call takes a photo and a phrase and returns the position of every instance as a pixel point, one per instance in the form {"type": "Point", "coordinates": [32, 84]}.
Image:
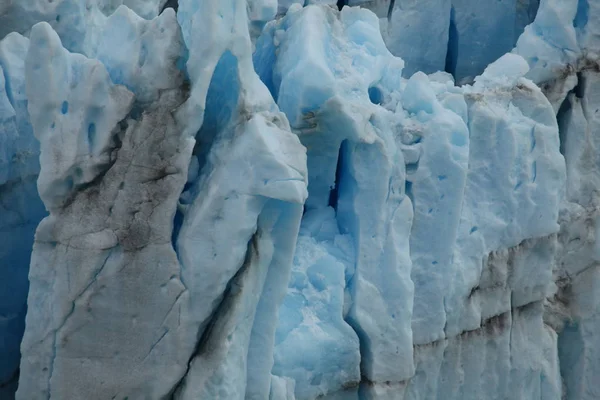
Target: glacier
{"type": "Point", "coordinates": [299, 200]}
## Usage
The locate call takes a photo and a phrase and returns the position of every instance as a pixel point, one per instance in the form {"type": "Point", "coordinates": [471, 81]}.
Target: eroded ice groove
{"type": "Point", "coordinates": [20, 206]}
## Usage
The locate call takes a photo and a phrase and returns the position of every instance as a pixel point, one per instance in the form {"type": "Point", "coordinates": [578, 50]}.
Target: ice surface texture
{"type": "Point", "coordinates": [261, 199]}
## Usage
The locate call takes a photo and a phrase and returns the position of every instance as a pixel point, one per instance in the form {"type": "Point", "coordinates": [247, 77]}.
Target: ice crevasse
{"type": "Point", "coordinates": [252, 199]}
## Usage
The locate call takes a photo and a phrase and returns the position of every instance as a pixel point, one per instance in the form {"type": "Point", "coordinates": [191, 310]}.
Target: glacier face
{"type": "Point", "coordinates": [261, 199]}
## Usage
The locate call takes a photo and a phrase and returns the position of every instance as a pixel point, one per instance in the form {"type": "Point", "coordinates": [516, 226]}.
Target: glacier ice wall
{"type": "Point", "coordinates": [261, 199]}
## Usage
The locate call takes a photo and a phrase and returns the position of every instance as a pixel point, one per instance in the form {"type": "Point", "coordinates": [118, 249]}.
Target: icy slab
{"type": "Point", "coordinates": [145, 75]}
{"type": "Point", "coordinates": [480, 32]}
{"type": "Point", "coordinates": [561, 46]}
{"type": "Point", "coordinates": [515, 276]}
{"type": "Point", "coordinates": [235, 349]}
{"type": "Point", "coordinates": [573, 310]}
{"type": "Point", "coordinates": [562, 41]}
{"type": "Point", "coordinates": [105, 244]}
{"type": "Point", "coordinates": [418, 32]}
{"type": "Point", "coordinates": [579, 121]}
{"type": "Point", "coordinates": [435, 183]}
{"type": "Point", "coordinates": [225, 289]}
{"type": "Point", "coordinates": [124, 177]}
{"type": "Point", "coordinates": [549, 44]}
{"type": "Point", "coordinates": [507, 200]}
{"type": "Point", "coordinates": [20, 206]}
{"type": "Point", "coordinates": [249, 186]}
{"type": "Point", "coordinates": [511, 356]}
{"type": "Point", "coordinates": [576, 300]}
